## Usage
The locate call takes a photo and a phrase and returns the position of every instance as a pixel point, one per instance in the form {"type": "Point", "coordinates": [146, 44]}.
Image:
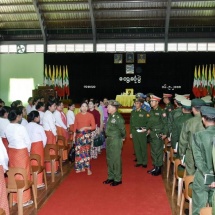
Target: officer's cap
{"type": "Point", "coordinates": [207, 99]}
{"type": "Point", "coordinates": [197, 103]}
{"type": "Point", "coordinates": [114, 103]}
{"type": "Point", "coordinates": [208, 111]}
{"type": "Point", "coordinates": [179, 98]}
{"type": "Point", "coordinates": [155, 98]}
{"type": "Point", "coordinates": [186, 104]}
{"type": "Point", "coordinates": [139, 100]}
{"type": "Point", "coordinates": [149, 94]}
{"type": "Point", "coordinates": [140, 95]}
{"type": "Point", "coordinates": [167, 95]}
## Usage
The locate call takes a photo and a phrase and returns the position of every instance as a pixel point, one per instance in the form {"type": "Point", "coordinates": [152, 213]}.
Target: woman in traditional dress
{"type": "Point", "coordinates": [50, 129]}
{"type": "Point", "coordinates": [83, 126]}
{"type": "Point", "coordinates": [38, 141]}
{"type": "Point", "coordinates": [19, 148]}
{"type": "Point", "coordinates": [24, 122]}
{"type": "Point", "coordinates": [40, 107]}
{"type": "Point", "coordinates": [3, 124]}
{"type": "Point", "coordinates": [71, 119]}
{"type": "Point", "coordinates": [61, 125]}
{"type": "Point", "coordinates": [3, 169]}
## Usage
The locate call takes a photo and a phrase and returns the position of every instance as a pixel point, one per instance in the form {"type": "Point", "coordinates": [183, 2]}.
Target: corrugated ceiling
{"type": "Point", "coordinates": [105, 19]}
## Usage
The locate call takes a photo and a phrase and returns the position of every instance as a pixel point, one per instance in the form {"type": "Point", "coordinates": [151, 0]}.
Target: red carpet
{"type": "Point", "coordinates": [140, 193]}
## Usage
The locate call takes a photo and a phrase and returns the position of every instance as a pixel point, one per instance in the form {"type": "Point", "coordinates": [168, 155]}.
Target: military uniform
{"type": "Point", "coordinates": [213, 156]}
{"type": "Point", "coordinates": [202, 147]}
{"type": "Point", "coordinates": [176, 130]}
{"type": "Point", "coordinates": [157, 126]}
{"type": "Point", "coordinates": [115, 132]}
{"type": "Point", "coordinates": [138, 119]}
{"type": "Point", "coordinates": [190, 127]}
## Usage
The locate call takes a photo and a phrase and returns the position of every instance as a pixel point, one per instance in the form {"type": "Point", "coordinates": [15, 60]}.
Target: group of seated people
{"type": "Point", "coordinates": [27, 130]}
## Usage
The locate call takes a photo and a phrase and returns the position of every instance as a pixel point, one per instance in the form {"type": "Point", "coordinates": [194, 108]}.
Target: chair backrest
{"type": "Point", "coordinates": [177, 163]}
{"type": "Point", "coordinates": [187, 181]}
{"type": "Point", "coordinates": [12, 173]}
{"type": "Point", "coordinates": [165, 144]}
{"type": "Point", "coordinates": [61, 139]}
{"type": "Point", "coordinates": [37, 158]}
{"type": "Point", "coordinates": [48, 147]}
{"type": "Point", "coordinates": [171, 154]}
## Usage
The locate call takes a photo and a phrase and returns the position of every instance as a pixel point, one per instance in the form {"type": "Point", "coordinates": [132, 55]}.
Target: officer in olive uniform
{"type": "Point", "coordinates": [175, 113]}
{"type": "Point", "coordinates": [213, 184]}
{"type": "Point", "coordinates": [190, 127]}
{"type": "Point", "coordinates": [138, 127]}
{"type": "Point", "coordinates": [176, 130]}
{"type": "Point", "coordinates": [157, 127]}
{"type": "Point", "coordinates": [115, 132]}
{"type": "Point", "coordinates": [202, 148]}
{"type": "Point", "coordinates": [168, 105]}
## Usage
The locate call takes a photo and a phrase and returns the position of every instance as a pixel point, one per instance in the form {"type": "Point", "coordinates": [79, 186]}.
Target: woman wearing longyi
{"type": "Point", "coordinates": [18, 149]}
{"type": "Point", "coordinates": [83, 126]}
{"type": "Point", "coordinates": [38, 141]}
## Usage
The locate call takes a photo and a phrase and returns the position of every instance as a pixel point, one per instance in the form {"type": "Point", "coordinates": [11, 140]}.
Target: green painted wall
{"type": "Point", "coordinates": [19, 66]}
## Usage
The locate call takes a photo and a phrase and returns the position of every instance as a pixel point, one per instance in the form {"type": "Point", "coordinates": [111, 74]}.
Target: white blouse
{"type": "Point", "coordinates": [70, 118]}
{"type": "Point", "coordinates": [36, 133]}
{"type": "Point", "coordinates": [58, 120]}
{"type": "Point", "coordinates": [49, 122]}
{"type": "Point", "coordinates": [24, 122]}
{"type": "Point", "coordinates": [3, 124]}
{"type": "Point", "coordinates": [30, 108]}
{"type": "Point", "coordinates": [41, 117]}
{"type": "Point", "coordinates": [17, 136]}
{"type": "Point", "coordinates": [3, 156]}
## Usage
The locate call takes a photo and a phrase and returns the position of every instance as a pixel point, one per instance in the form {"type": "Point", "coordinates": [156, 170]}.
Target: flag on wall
{"type": "Point", "coordinates": [195, 84]}
{"type": "Point", "coordinates": [67, 91]}
{"type": "Point", "coordinates": [209, 84]}
{"type": "Point", "coordinates": [53, 77]}
{"type": "Point", "coordinates": [213, 81]}
{"type": "Point", "coordinates": [46, 81]}
{"type": "Point", "coordinates": [50, 76]}
{"type": "Point", "coordinates": [204, 90]}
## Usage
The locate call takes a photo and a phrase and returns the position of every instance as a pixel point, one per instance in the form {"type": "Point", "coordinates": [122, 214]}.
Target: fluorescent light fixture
{"type": "Point", "coordinates": [172, 47]}
{"type": "Point", "coordinates": [159, 47]}
{"type": "Point", "coordinates": [139, 47]}
{"type": "Point", "coordinates": [120, 47]}
{"type": "Point", "coordinates": [51, 48]}
{"type": "Point", "coordinates": [110, 47]}
{"type": "Point", "coordinates": [202, 46]}
{"type": "Point", "coordinates": [129, 47]}
{"type": "Point", "coordinates": [182, 47]}
{"type": "Point", "coordinates": [211, 46]}
{"type": "Point", "coordinates": [88, 47]}
{"type": "Point", "coordinates": [192, 47]}
{"type": "Point", "coordinates": [100, 47]}
{"type": "Point", "coordinates": [61, 48]}
{"type": "Point", "coordinates": [70, 47]}
{"type": "Point", "coordinates": [79, 47]}
{"type": "Point", "coordinates": [149, 47]}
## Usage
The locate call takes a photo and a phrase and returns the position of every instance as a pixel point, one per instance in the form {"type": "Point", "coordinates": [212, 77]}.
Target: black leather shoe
{"type": "Point", "coordinates": [135, 160]}
{"type": "Point", "coordinates": [151, 171]}
{"type": "Point", "coordinates": [144, 166]}
{"type": "Point", "coordinates": [116, 183]}
{"type": "Point", "coordinates": [157, 171]}
{"type": "Point", "coordinates": [138, 165]}
{"type": "Point", "coordinates": [108, 181]}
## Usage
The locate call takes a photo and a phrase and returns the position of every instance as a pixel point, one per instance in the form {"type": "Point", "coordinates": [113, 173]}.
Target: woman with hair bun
{"type": "Point", "coordinates": [38, 141]}
{"type": "Point", "coordinates": [18, 149]}
{"type": "Point", "coordinates": [71, 119]}
{"type": "Point", "coordinates": [50, 129]}
{"type": "Point", "coordinates": [3, 124]}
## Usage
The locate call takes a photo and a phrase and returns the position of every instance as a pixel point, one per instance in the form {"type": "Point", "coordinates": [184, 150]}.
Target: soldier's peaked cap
{"type": "Point", "coordinates": [197, 103]}
{"type": "Point", "coordinates": [114, 103]}
{"type": "Point", "coordinates": [208, 111]}
{"type": "Point", "coordinates": [155, 98]}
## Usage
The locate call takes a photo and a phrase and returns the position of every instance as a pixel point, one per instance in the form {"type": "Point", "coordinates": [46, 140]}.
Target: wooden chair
{"type": "Point", "coordinates": [179, 175]}
{"type": "Point", "coordinates": [170, 161]}
{"type": "Point", "coordinates": [166, 150]}
{"type": "Point", "coordinates": [36, 169]}
{"type": "Point", "coordinates": [61, 143]}
{"type": "Point", "coordinates": [2, 212]}
{"type": "Point", "coordinates": [19, 186]}
{"type": "Point", "coordinates": [206, 211]}
{"type": "Point", "coordinates": [187, 194]}
{"type": "Point", "coordinates": [53, 158]}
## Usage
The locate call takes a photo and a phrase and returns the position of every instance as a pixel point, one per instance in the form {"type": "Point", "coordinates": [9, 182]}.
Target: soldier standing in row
{"type": "Point", "coordinates": [138, 127]}
{"type": "Point", "coordinates": [202, 148]}
{"type": "Point", "coordinates": [190, 127]}
{"type": "Point", "coordinates": [157, 127]}
{"type": "Point", "coordinates": [115, 132]}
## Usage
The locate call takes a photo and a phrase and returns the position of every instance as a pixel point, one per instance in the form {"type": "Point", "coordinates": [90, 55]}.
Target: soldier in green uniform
{"type": "Point", "coordinates": [115, 132]}
{"type": "Point", "coordinates": [157, 127]}
{"type": "Point", "coordinates": [190, 127]}
{"type": "Point", "coordinates": [176, 131]}
{"type": "Point", "coordinates": [174, 114]}
{"type": "Point", "coordinates": [202, 147]}
{"type": "Point", "coordinates": [213, 183]}
{"type": "Point", "coordinates": [168, 105]}
{"type": "Point", "coordinates": [138, 127]}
